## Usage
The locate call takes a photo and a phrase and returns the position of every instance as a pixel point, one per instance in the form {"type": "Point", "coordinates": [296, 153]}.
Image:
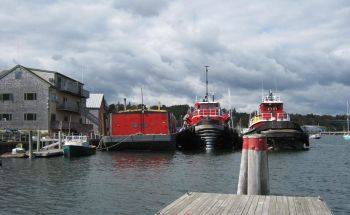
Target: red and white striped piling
{"type": "Point", "coordinates": [243, 171]}
{"type": "Point", "coordinates": [254, 172]}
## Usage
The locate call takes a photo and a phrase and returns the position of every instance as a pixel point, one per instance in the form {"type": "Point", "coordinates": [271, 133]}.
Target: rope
{"type": "Point", "coordinates": [99, 147]}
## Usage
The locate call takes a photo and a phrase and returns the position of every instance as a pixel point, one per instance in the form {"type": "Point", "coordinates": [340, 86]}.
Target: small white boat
{"type": "Point", "coordinates": [18, 150]}
{"type": "Point", "coordinates": [315, 136]}
{"type": "Point", "coordinates": [75, 146]}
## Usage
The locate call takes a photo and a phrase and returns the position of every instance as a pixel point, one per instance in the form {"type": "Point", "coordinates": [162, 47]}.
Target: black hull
{"type": "Point", "coordinates": [140, 142]}
{"type": "Point", "coordinates": [282, 135]}
{"type": "Point", "coordinates": [207, 135]}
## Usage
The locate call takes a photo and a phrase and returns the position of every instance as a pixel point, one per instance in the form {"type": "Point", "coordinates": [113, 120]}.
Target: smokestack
{"type": "Point", "coordinates": [124, 104]}
{"type": "Point", "coordinates": [213, 97]}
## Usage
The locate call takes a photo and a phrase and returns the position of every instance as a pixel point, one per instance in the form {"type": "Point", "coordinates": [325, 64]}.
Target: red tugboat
{"type": "Point", "coordinates": [206, 127]}
{"type": "Point", "coordinates": [272, 121]}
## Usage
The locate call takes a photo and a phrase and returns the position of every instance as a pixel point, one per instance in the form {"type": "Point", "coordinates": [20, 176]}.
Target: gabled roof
{"type": "Point", "coordinates": [54, 72]}
{"type": "Point", "coordinates": [6, 72]}
{"type": "Point", "coordinates": [95, 100]}
{"type": "Point", "coordinates": [33, 70]}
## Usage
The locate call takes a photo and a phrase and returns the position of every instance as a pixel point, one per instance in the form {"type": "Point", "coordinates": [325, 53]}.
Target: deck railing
{"type": "Point", "coordinates": [269, 117]}
{"type": "Point", "coordinates": [207, 112]}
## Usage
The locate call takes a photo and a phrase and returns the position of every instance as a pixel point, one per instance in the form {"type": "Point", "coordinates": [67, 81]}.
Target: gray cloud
{"type": "Point", "coordinates": [117, 47]}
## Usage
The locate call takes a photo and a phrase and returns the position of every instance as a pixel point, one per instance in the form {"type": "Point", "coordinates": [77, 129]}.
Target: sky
{"type": "Point", "coordinates": [300, 48]}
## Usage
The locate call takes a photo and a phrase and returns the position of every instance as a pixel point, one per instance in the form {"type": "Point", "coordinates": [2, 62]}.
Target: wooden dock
{"type": "Point", "coordinates": [48, 153]}
{"type": "Point", "coordinates": [215, 203]}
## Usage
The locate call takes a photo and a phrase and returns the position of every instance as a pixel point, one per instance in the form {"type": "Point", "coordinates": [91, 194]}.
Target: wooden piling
{"type": "Point", "coordinates": [254, 172]}
{"type": "Point", "coordinates": [30, 151]}
{"type": "Point", "coordinates": [243, 171]}
{"type": "Point", "coordinates": [38, 141]}
{"type": "Point", "coordinates": [257, 165]}
{"type": "Point", "coordinates": [60, 140]}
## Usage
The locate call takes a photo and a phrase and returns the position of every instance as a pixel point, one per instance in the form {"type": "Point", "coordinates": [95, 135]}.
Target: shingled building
{"type": "Point", "coordinates": [35, 99]}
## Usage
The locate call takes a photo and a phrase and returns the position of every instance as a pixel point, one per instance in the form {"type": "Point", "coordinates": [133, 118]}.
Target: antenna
{"type": "Point", "coordinates": [262, 89]}
{"type": "Point", "coordinates": [206, 81]}
{"type": "Point", "coordinates": [82, 74]}
{"type": "Point", "coordinates": [142, 100]}
{"type": "Point", "coordinates": [347, 113]}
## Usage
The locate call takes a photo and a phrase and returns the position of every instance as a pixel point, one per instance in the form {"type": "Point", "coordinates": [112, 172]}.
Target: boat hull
{"type": "Point", "coordinates": [140, 142]}
{"type": "Point", "coordinates": [207, 135]}
{"type": "Point", "coordinates": [346, 137]}
{"type": "Point", "coordinates": [282, 135]}
{"type": "Point", "coordinates": [78, 151]}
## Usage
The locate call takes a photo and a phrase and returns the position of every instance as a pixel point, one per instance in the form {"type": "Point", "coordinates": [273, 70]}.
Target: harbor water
{"type": "Point", "coordinates": [145, 182]}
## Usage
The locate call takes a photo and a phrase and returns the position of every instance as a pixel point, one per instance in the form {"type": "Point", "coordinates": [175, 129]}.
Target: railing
{"type": "Point", "coordinates": [73, 126]}
{"type": "Point", "coordinates": [73, 87]}
{"type": "Point", "coordinates": [68, 106]}
{"type": "Point", "coordinates": [269, 117]}
{"type": "Point", "coordinates": [70, 87]}
{"type": "Point", "coordinates": [207, 112]}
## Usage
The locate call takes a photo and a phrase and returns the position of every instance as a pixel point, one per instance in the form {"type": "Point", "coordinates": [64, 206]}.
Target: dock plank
{"type": "Point", "coordinates": [253, 205]}
{"type": "Point", "coordinates": [265, 210]}
{"type": "Point", "coordinates": [291, 205]}
{"type": "Point", "coordinates": [260, 205]}
{"type": "Point", "coordinates": [216, 203]}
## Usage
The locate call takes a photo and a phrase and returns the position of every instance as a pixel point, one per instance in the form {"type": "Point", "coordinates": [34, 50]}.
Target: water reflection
{"type": "Point", "coordinates": [126, 160]}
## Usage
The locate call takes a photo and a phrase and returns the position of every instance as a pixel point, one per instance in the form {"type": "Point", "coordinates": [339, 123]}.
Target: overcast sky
{"type": "Point", "coordinates": [302, 48]}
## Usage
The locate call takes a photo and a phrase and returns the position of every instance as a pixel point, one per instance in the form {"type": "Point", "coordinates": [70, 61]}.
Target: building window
{"type": "Point", "coordinates": [30, 96]}
{"type": "Point", "coordinates": [18, 75]}
{"type": "Point", "coordinates": [6, 97]}
{"type": "Point", "coordinates": [5, 117]}
{"type": "Point", "coordinates": [66, 119]}
{"type": "Point", "coordinates": [30, 116]}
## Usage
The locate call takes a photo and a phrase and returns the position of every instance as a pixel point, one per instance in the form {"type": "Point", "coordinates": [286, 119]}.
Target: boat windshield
{"type": "Point", "coordinates": [208, 106]}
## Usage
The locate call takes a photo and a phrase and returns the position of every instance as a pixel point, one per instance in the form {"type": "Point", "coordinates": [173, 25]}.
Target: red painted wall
{"type": "Point", "coordinates": [131, 123]}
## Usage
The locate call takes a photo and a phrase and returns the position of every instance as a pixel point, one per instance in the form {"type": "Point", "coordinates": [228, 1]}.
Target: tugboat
{"type": "Point", "coordinates": [272, 121]}
{"type": "Point", "coordinates": [206, 126]}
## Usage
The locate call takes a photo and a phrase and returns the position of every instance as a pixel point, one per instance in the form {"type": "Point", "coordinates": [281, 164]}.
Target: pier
{"type": "Point", "coordinates": [214, 203]}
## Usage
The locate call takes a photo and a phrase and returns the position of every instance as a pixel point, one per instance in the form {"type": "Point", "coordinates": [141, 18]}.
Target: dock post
{"type": "Point", "coordinates": [30, 151]}
{"type": "Point", "coordinates": [59, 140]}
{"type": "Point", "coordinates": [243, 171]}
{"type": "Point", "coordinates": [38, 141]}
{"type": "Point", "coordinates": [257, 166]}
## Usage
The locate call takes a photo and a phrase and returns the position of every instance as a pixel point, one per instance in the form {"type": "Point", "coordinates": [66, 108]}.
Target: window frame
{"type": "Point", "coordinates": [26, 96]}
{"type": "Point", "coordinates": [2, 117]}
{"type": "Point", "coordinates": [34, 118]}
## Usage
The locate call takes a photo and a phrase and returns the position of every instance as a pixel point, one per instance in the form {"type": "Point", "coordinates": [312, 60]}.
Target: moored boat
{"type": "Point", "coordinates": [272, 121]}
{"type": "Point", "coordinates": [206, 127]}
{"type": "Point", "coordinates": [315, 136]}
{"type": "Point", "coordinates": [76, 146]}
{"type": "Point", "coordinates": [141, 129]}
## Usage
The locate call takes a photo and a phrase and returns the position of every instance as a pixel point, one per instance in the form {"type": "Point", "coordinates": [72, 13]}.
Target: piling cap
{"type": "Point", "coordinates": [257, 142]}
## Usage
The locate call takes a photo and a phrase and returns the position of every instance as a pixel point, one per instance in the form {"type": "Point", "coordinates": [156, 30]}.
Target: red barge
{"type": "Point", "coordinates": [206, 127]}
{"type": "Point", "coordinates": [141, 130]}
{"type": "Point", "coordinates": [271, 120]}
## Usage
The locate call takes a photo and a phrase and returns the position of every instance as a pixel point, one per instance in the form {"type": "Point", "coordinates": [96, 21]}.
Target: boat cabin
{"type": "Point", "coordinates": [207, 108]}
{"type": "Point", "coordinates": [270, 109]}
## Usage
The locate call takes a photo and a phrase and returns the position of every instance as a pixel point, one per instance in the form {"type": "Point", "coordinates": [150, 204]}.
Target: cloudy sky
{"type": "Point", "coordinates": [302, 48]}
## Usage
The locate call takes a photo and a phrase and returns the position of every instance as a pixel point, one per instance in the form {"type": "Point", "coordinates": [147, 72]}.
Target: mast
{"type": "Point", "coordinates": [347, 113]}
{"type": "Point", "coordinates": [206, 82]}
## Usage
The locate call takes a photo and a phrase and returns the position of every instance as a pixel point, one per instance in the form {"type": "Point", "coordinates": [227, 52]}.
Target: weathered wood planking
{"type": "Point", "coordinates": [217, 203]}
